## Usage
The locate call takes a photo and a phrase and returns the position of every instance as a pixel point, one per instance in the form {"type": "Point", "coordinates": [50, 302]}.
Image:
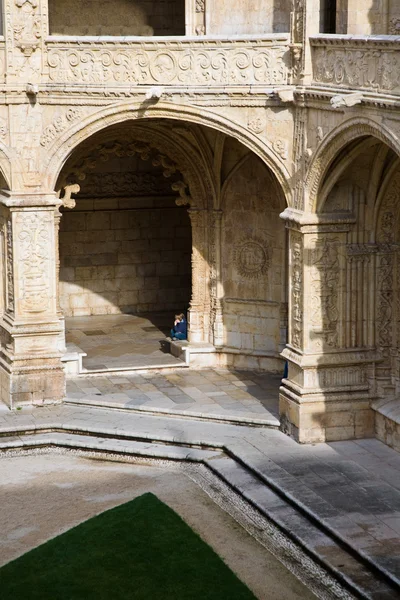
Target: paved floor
{"type": "Point", "coordinates": [236, 396]}
{"type": "Point", "coordinates": [351, 487]}
{"type": "Point", "coordinates": [121, 341]}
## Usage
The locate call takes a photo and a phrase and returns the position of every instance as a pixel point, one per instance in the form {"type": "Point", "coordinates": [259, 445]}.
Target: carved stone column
{"type": "Point", "coordinates": [216, 279]}
{"type": "Point", "coordinates": [196, 17]}
{"type": "Point", "coordinates": [199, 309]}
{"type": "Point", "coordinates": [304, 23]}
{"type": "Point", "coordinates": [57, 219]}
{"type": "Point", "coordinates": [30, 367]}
{"type": "Point", "coordinates": [327, 393]}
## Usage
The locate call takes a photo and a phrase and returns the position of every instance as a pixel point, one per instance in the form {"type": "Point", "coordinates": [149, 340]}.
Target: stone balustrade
{"type": "Point", "coordinates": [357, 62]}
{"type": "Point", "coordinates": [178, 62]}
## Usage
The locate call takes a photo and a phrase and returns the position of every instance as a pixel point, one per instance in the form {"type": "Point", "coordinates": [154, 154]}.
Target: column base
{"type": "Point", "coordinates": [318, 420]}
{"type": "Point", "coordinates": [328, 397]}
{"type": "Point", "coordinates": [32, 386]}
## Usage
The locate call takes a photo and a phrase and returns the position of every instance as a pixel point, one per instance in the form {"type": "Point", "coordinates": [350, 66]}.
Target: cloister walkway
{"type": "Point", "coordinates": [231, 396]}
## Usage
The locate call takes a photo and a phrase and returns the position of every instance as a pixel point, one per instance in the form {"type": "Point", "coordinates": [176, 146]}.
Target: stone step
{"type": "Point", "coordinates": [363, 577]}
{"type": "Point", "coordinates": [105, 401]}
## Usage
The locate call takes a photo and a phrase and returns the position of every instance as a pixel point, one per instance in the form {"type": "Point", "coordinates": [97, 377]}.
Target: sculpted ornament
{"type": "Point", "coordinates": [59, 125]}
{"type": "Point", "coordinates": [296, 331]}
{"type": "Point", "coordinates": [281, 147]}
{"type": "Point", "coordinates": [145, 152]}
{"type": "Point", "coordinates": [363, 65]}
{"type": "Point", "coordinates": [188, 63]}
{"type": "Point", "coordinates": [256, 125]}
{"type": "Point", "coordinates": [394, 26]}
{"type": "Point", "coordinates": [27, 32]}
{"type": "Point", "coordinates": [34, 239]}
{"type": "Point", "coordinates": [324, 291]}
{"type": "Point", "coordinates": [67, 201]}
{"type": "Point", "coordinates": [252, 258]}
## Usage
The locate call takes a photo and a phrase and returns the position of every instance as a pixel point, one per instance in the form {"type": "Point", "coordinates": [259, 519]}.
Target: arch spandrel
{"type": "Point", "coordinates": [337, 140]}
{"type": "Point", "coordinates": [63, 147]}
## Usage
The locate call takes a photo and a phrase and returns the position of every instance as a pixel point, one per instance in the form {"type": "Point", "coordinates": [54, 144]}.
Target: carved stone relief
{"type": "Point", "coordinates": [34, 234]}
{"type": "Point", "coordinates": [324, 277]}
{"type": "Point", "coordinates": [134, 64]}
{"type": "Point", "coordinates": [128, 148]}
{"type": "Point", "coordinates": [10, 268]}
{"type": "Point", "coordinates": [60, 124]}
{"type": "Point", "coordinates": [252, 257]}
{"type": "Point", "coordinates": [364, 65]}
{"type": "Point", "coordinates": [296, 268]}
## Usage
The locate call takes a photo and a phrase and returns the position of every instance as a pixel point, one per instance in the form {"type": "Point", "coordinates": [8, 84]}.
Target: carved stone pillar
{"type": "Point", "coordinates": [327, 393]}
{"type": "Point", "coordinates": [304, 23]}
{"type": "Point", "coordinates": [216, 279]}
{"type": "Point", "coordinates": [57, 219]}
{"type": "Point", "coordinates": [30, 367]}
{"type": "Point", "coordinates": [199, 309]}
{"type": "Point", "coordinates": [196, 17]}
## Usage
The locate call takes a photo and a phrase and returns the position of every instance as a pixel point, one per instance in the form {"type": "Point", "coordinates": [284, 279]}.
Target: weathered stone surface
{"type": "Point", "coordinates": [135, 167]}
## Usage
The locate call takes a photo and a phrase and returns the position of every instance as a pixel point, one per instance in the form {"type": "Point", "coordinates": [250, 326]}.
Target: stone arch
{"type": "Point", "coordinates": [346, 133]}
{"type": "Point", "coordinates": [181, 152]}
{"type": "Point", "coordinates": [118, 113]}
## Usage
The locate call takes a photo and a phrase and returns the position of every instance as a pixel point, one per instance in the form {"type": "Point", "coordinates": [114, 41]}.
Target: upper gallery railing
{"type": "Point", "coordinates": [184, 61]}
{"type": "Point", "coordinates": [370, 63]}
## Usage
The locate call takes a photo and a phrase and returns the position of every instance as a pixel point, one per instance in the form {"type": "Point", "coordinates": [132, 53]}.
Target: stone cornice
{"type": "Point", "coordinates": [386, 42]}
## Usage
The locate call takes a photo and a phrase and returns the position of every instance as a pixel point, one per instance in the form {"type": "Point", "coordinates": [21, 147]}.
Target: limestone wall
{"type": "Point", "coordinates": [121, 17]}
{"type": "Point", "coordinates": [253, 259]}
{"type": "Point", "coordinates": [247, 16]}
{"type": "Point", "coordinates": [124, 260]}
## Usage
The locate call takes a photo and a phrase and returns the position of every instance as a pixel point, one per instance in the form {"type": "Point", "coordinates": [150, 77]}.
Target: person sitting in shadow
{"type": "Point", "coordinates": [179, 330]}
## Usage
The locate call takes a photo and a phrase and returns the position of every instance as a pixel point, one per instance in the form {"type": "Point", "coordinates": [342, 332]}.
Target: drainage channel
{"type": "Point", "coordinates": [332, 569]}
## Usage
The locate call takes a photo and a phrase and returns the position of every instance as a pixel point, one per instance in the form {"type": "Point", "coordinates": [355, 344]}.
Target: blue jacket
{"type": "Point", "coordinates": [181, 327]}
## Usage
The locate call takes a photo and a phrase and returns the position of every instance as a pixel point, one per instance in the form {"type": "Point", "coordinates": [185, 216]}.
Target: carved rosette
{"type": "Point", "coordinates": [296, 281]}
{"type": "Point", "coordinates": [33, 252]}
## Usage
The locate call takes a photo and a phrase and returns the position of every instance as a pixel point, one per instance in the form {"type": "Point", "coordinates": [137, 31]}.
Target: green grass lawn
{"type": "Point", "coordinates": [141, 550]}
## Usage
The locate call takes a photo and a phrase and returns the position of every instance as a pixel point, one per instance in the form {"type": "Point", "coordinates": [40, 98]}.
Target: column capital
{"type": "Point", "coordinates": [306, 222]}
{"type": "Point", "coordinates": [24, 199]}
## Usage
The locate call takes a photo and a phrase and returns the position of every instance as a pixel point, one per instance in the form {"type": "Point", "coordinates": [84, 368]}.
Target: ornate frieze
{"type": "Point", "coordinates": [335, 378]}
{"type": "Point", "coordinates": [357, 63]}
{"type": "Point", "coordinates": [189, 62]}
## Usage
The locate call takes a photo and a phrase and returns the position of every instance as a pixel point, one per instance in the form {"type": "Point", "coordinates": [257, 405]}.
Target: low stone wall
{"type": "Point", "coordinates": [115, 261]}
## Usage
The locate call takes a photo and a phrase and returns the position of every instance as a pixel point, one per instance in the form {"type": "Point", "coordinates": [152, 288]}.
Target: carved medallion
{"type": "Point", "coordinates": [163, 67]}
{"type": "Point", "coordinates": [252, 258]}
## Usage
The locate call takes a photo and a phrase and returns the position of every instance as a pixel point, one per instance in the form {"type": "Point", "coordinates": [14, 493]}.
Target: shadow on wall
{"type": "Point", "coordinates": [121, 17]}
